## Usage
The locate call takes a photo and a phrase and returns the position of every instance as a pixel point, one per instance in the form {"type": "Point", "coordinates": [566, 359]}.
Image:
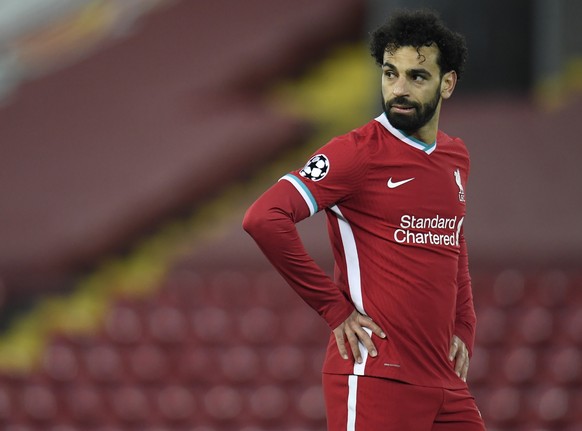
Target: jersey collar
{"type": "Point", "coordinates": [410, 140]}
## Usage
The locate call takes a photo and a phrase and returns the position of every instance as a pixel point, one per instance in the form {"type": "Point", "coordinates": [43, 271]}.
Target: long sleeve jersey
{"type": "Point", "coordinates": [395, 208]}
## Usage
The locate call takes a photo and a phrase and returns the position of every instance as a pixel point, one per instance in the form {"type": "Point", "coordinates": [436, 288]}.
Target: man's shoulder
{"type": "Point", "coordinates": [456, 142]}
{"type": "Point", "coordinates": [362, 135]}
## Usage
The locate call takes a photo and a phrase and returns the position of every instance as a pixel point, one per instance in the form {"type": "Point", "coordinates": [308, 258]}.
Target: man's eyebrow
{"type": "Point", "coordinates": [419, 71]}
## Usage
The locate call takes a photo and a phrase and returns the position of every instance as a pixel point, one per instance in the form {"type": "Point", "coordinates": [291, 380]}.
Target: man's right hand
{"type": "Point", "coordinates": [353, 330]}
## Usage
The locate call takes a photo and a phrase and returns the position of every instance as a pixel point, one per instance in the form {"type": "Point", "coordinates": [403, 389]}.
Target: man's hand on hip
{"type": "Point", "coordinates": [459, 353]}
{"type": "Point", "coordinates": [353, 330]}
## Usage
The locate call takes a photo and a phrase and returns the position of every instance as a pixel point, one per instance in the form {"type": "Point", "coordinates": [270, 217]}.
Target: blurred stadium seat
{"type": "Point", "coordinates": [520, 365]}
{"type": "Point", "coordinates": [176, 404]}
{"type": "Point", "coordinates": [224, 403]}
{"type": "Point", "coordinates": [258, 325]}
{"type": "Point", "coordinates": [193, 364]}
{"type": "Point", "coordinates": [131, 405]}
{"type": "Point", "coordinates": [60, 362]}
{"type": "Point", "coordinates": [38, 403]}
{"type": "Point", "coordinates": [148, 364]}
{"type": "Point", "coordinates": [84, 404]}
{"type": "Point", "coordinates": [492, 326]}
{"type": "Point", "coordinates": [504, 406]}
{"type": "Point", "coordinates": [168, 325]}
{"type": "Point", "coordinates": [104, 364]}
{"type": "Point", "coordinates": [565, 365]}
{"type": "Point", "coordinates": [213, 325]}
{"type": "Point", "coordinates": [124, 325]}
{"type": "Point", "coordinates": [238, 364]}
{"type": "Point", "coordinates": [310, 404]}
{"type": "Point", "coordinates": [269, 403]}
{"type": "Point", "coordinates": [287, 363]}
{"type": "Point", "coordinates": [509, 287]}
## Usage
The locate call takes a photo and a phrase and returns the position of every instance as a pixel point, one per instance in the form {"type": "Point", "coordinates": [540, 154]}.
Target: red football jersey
{"type": "Point", "coordinates": [395, 208]}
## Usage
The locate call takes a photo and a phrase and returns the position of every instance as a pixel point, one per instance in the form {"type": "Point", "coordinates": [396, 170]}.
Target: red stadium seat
{"type": "Point", "coordinates": [553, 288]}
{"type": "Point", "coordinates": [223, 403]}
{"type": "Point", "coordinates": [63, 428]}
{"type": "Point", "coordinates": [258, 325]}
{"type": "Point", "coordinates": [286, 363]}
{"type": "Point", "coordinates": [272, 292]}
{"type": "Point", "coordinates": [535, 325]}
{"type": "Point", "coordinates": [60, 362]}
{"type": "Point", "coordinates": [38, 403]}
{"type": "Point", "coordinates": [310, 404]}
{"type": "Point", "coordinates": [269, 403]}
{"type": "Point", "coordinates": [520, 365]}
{"type": "Point", "coordinates": [6, 403]}
{"type": "Point", "coordinates": [183, 288]}
{"type": "Point", "coordinates": [168, 325]}
{"type": "Point", "coordinates": [130, 404]}
{"type": "Point", "coordinates": [109, 428]}
{"type": "Point", "coordinates": [305, 327]}
{"type": "Point", "coordinates": [480, 370]}
{"type": "Point", "coordinates": [572, 325]}
{"type": "Point", "coordinates": [504, 406]}
{"type": "Point", "coordinates": [565, 365]}
{"type": "Point", "coordinates": [576, 405]}
{"type": "Point", "coordinates": [212, 325]}
{"type": "Point", "coordinates": [492, 327]}
{"type": "Point", "coordinates": [123, 325]}
{"type": "Point", "coordinates": [239, 364]}
{"type": "Point", "coordinates": [230, 288]}
{"type": "Point", "coordinates": [148, 363]}
{"type": "Point", "coordinates": [551, 405]}
{"type": "Point", "coordinates": [104, 364]}
{"type": "Point", "coordinates": [84, 404]}
{"type": "Point", "coordinates": [196, 365]}
{"type": "Point", "coordinates": [509, 288]}
{"type": "Point", "coordinates": [176, 403]}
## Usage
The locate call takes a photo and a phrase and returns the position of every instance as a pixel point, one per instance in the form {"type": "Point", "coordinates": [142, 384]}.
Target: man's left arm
{"type": "Point", "coordinates": [461, 348]}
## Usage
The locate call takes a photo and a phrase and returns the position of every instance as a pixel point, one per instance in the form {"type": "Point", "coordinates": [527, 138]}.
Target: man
{"type": "Point", "coordinates": [400, 306]}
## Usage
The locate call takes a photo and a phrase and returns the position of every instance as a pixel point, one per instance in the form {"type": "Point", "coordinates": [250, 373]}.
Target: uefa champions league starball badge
{"type": "Point", "coordinates": [316, 168]}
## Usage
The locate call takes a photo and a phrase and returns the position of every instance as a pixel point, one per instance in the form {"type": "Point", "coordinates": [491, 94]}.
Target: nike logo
{"type": "Point", "coordinates": [393, 185]}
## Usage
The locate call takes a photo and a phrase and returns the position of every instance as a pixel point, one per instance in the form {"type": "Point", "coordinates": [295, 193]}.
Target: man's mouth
{"type": "Point", "coordinates": [402, 109]}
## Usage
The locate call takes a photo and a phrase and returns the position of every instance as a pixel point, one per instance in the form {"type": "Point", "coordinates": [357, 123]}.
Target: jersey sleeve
{"type": "Point", "coordinates": [271, 222]}
{"type": "Point", "coordinates": [465, 319]}
{"type": "Point", "coordinates": [332, 174]}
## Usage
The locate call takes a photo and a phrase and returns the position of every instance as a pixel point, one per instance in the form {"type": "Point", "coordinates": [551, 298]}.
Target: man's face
{"type": "Point", "coordinates": [411, 87]}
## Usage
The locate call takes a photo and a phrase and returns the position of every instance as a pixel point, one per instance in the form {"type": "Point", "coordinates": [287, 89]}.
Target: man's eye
{"type": "Point", "coordinates": [418, 78]}
{"type": "Point", "coordinates": [389, 73]}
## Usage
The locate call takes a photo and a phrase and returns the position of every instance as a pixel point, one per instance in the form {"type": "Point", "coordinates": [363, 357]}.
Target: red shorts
{"type": "Point", "coordinates": [374, 404]}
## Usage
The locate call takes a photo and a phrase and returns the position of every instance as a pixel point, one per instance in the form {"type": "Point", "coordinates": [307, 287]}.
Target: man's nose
{"type": "Point", "coordinates": [400, 87]}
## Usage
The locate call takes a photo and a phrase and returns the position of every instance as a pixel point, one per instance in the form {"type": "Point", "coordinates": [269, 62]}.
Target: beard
{"type": "Point", "coordinates": [410, 123]}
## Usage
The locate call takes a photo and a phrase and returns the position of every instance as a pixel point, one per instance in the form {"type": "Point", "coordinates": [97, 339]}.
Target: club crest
{"type": "Point", "coordinates": [457, 174]}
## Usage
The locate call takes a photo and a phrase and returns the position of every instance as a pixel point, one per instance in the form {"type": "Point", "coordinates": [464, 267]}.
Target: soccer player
{"type": "Point", "coordinates": [400, 306]}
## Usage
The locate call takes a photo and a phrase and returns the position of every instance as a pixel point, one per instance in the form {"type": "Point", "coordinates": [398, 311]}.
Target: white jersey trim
{"type": "Point", "coordinates": [427, 148]}
{"type": "Point", "coordinates": [303, 191]}
{"type": "Point", "coordinates": [352, 402]}
{"type": "Point", "coordinates": [354, 280]}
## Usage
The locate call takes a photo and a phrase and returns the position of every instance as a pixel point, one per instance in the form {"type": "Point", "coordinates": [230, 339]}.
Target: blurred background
{"type": "Point", "coordinates": [135, 133]}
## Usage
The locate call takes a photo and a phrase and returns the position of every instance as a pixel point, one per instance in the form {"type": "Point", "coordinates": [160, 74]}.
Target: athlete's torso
{"type": "Point", "coordinates": [395, 236]}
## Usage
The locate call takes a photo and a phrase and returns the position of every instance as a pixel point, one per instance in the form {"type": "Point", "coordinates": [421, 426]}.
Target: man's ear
{"type": "Point", "coordinates": [448, 84]}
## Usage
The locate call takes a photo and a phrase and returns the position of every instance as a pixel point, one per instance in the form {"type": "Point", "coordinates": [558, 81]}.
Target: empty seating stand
{"type": "Point", "coordinates": [254, 361]}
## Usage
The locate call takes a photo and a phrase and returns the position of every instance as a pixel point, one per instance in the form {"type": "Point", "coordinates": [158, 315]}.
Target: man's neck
{"type": "Point", "coordinates": [428, 132]}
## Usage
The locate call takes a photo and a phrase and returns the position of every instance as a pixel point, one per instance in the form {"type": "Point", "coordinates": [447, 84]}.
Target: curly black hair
{"type": "Point", "coordinates": [417, 29]}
